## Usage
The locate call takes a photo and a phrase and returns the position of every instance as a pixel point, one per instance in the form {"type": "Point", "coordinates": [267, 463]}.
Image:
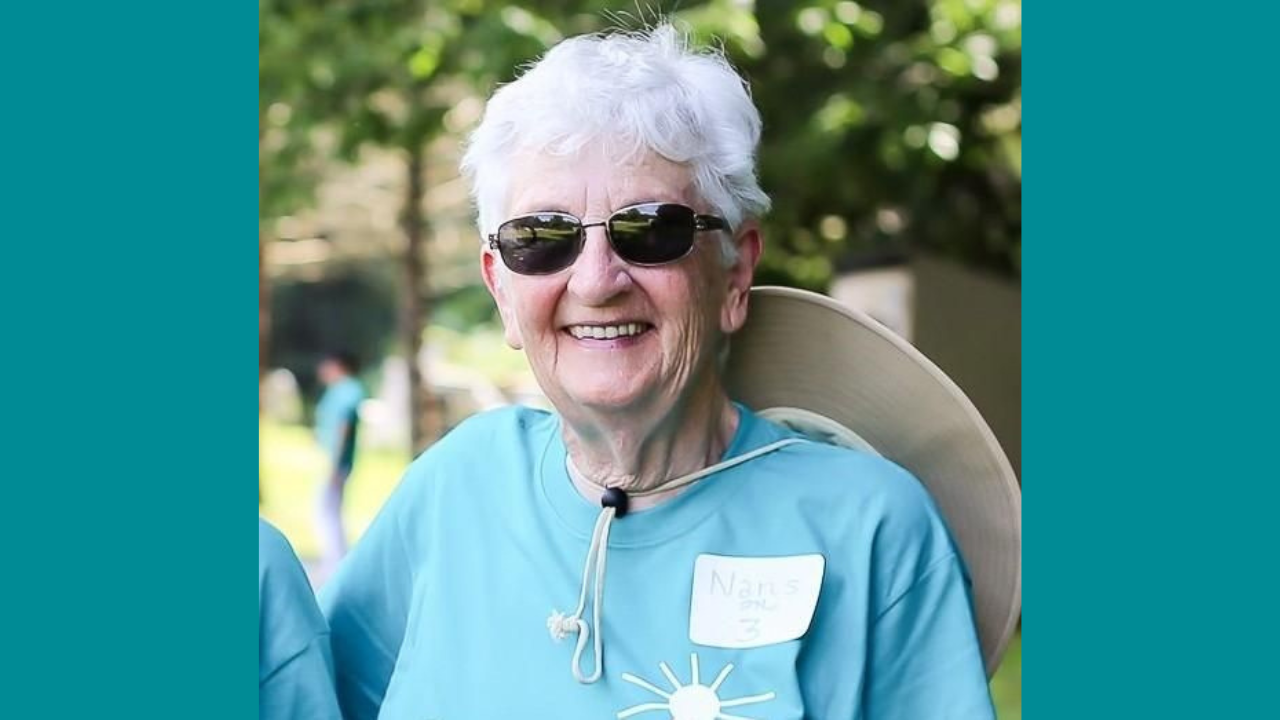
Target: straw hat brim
{"type": "Point", "coordinates": [803, 350]}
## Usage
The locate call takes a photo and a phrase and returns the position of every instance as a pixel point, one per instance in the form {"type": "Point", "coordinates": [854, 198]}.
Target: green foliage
{"type": "Point", "coordinates": [463, 309]}
{"type": "Point", "coordinates": [386, 72]}
{"type": "Point", "coordinates": [286, 162]}
{"type": "Point", "coordinates": [889, 126]}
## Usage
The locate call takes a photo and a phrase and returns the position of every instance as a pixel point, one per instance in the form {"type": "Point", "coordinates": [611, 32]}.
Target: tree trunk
{"type": "Point", "coordinates": [416, 314]}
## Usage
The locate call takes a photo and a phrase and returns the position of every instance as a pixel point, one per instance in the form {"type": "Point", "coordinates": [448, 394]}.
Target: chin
{"type": "Point", "coordinates": [606, 399]}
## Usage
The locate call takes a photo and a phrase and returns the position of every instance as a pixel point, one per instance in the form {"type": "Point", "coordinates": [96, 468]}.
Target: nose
{"type": "Point", "coordinates": [598, 275]}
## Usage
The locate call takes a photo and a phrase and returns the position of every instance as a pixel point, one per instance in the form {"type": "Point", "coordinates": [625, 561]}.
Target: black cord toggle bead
{"type": "Point", "coordinates": [615, 498]}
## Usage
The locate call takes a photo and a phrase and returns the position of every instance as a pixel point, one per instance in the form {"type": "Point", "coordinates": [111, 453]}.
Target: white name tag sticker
{"type": "Point", "coordinates": [745, 602]}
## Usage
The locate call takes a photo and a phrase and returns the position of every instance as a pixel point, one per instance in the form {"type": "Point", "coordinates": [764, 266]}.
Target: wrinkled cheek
{"type": "Point", "coordinates": [685, 356]}
{"type": "Point", "coordinates": [540, 348]}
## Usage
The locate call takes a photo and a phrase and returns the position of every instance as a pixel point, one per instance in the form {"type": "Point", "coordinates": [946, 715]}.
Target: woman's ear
{"type": "Point", "coordinates": [492, 272]}
{"type": "Point", "coordinates": [749, 245]}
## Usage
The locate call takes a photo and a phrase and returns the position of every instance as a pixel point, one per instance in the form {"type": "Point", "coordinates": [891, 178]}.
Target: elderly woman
{"type": "Point", "coordinates": [652, 549]}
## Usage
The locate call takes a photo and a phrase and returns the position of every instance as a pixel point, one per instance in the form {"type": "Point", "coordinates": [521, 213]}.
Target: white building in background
{"type": "Point", "coordinates": [384, 416]}
{"type": "Point", "coordinates": [967, 322]}
{"type": "Point", "coordinates": [885, 293]}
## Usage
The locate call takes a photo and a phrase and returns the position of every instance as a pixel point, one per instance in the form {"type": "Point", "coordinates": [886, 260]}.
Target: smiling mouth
{"type": "Point", "coordinates": [608, 332]}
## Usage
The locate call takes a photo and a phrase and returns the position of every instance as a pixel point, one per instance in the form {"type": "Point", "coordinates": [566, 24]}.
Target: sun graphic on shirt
{"type": "Point", "coordinates": [693, 701]}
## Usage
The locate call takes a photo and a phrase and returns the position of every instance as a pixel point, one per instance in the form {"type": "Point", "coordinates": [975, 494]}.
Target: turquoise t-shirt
{"type": "Point", "coordinates": [339, 405]}
{"type": "Point", "coordinates": [441, 610]}
{"type": "Point", "coordinates": [295, 668]}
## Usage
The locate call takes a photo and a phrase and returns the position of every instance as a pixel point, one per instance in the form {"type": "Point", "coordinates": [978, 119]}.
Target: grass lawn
{"type": "Point", "coordinates": [1006, 686]}
{"type": "Point", "coordinates": [291, 468]}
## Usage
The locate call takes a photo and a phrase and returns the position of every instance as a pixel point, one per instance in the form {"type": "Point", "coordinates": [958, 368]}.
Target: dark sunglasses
{"type": "Point", "coordinates": [646, 234]}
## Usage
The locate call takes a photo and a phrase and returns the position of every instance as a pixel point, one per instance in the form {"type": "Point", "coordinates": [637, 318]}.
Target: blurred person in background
{"type": "Point", "coordinates": [295, 666]}
{"type": "Point", "coordinates": [337, 422]}
{"type": "Point", "coordinates": [751, 571]}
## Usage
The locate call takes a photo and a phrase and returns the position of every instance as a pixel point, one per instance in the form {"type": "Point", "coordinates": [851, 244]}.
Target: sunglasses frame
{"type": "Point", "coordinates": [701, 223]}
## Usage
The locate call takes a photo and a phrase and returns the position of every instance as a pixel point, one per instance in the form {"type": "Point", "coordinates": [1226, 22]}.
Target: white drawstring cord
{"type": "Point", "coordinates": [560, 625]}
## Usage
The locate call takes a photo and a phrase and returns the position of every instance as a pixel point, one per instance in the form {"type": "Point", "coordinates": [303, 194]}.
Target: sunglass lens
{"type": "Point", "coordinates": [539, 244]}
{"type": "Point", "coordinates": [652, 234]}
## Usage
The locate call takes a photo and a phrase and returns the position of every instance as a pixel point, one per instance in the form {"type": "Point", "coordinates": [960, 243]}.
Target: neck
{"type": "Point", "coordinates": [637, 451]}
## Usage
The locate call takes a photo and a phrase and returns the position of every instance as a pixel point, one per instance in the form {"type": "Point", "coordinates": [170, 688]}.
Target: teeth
{"type": "Point", "coordinates": [606, 332]}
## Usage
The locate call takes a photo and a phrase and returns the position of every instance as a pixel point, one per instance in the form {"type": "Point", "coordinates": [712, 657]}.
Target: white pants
{"type": "Point", "coordinates": [332, 536]}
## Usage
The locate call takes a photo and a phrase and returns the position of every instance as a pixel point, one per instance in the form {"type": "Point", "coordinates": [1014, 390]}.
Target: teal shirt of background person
{"type": "Point", "coordinates": [339, 406]}
{"type": "Point", "coordinates": [295, 665]}
{"type": "Point", "coordinates": [441, 609]}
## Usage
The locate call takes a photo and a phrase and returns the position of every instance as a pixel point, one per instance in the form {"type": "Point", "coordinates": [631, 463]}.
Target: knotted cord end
{"type": "Point", "coordinates": [561, 625]}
